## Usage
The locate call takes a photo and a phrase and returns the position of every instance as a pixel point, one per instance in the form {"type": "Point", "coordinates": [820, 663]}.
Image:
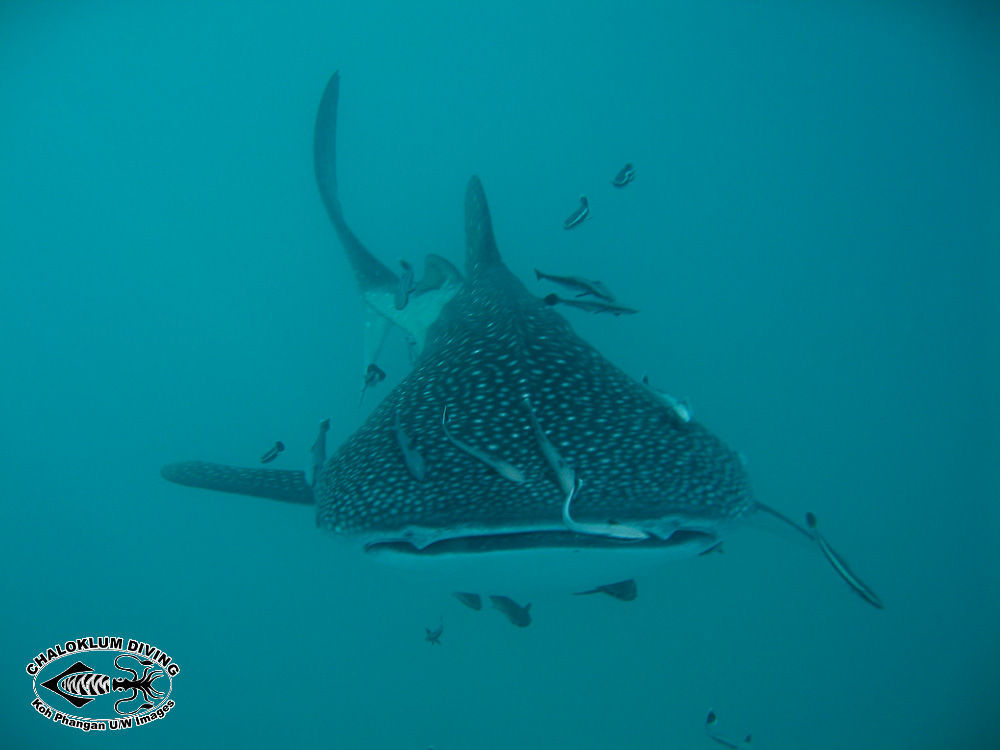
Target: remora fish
{"type": "Point", "coordinates": [582, 212]}
{"type": "Point", "coordinates": [488, 346]}
{"type": "Point", "coordinates": [583, 286]}
{"type": "Point", "coordinates": [588, 306]}
{"type": "Point", "coordinates": [373, 376]}
{"type": "Point", "coordinates": [710, 722]}
{"type": "Point", "coordinates": [518, 615]}
{"type": "Point", "coordinates": [625, 175]}
{"type": "Point", "coordinates": [626, 591]}
{"type": "Point", "coordinates": [272, 452]}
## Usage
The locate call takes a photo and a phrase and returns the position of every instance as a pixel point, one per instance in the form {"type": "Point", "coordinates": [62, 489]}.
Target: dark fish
{"type": "Point", "coordinates": [472, 601]}
{"type": "Point", "coordinates": [588, 306]}
{"type": "Point", "coordinates": [405, 287]}
{"type": "Point", "coordinates": [272, 453]}
{"type": "Point", "coordinates": [581, 213]}
{"type": "Point", "coordinates": [713, 548]}
{"type": "Point", "coordinates": [373, 376]}
{"type": "Point", "coordinates": [433, 637]}
{"type": "Point", "coordinates": [518, 615]}
{"type": "Point", "coordinates": [710, 721]}
{"type": "Point", "coordinates": [626, 590]}
{"type": "Point", "coordinates": [625, 175]}
{"type": "Point", "coordinates": [840, 565]}
{"type": "Point", "coordinates": [585, 287]}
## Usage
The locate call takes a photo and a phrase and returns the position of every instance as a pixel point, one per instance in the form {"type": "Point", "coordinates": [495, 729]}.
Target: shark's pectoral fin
{"type": "Point", "coordinates": [369, 271]}
{"type": "Point", "coordinates": [288, 486]}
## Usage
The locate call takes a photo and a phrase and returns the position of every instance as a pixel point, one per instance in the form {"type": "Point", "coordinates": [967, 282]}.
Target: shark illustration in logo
{"type": "Point", "coordinates": [537, 455]}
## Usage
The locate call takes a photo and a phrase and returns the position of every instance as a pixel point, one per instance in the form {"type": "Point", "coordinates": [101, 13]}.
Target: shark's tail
{"type": "Point", "coordinates": [288, 486]}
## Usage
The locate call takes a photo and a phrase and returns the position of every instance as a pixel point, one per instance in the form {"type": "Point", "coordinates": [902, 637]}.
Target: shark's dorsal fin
{"type": "Point", "coordinates": [480, 245]}
{"type": "Point", "coordinates": [369, 271]}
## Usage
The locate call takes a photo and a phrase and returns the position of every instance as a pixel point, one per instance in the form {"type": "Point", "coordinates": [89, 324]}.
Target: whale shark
{"type": "Point", "coordinates": [508, 422]}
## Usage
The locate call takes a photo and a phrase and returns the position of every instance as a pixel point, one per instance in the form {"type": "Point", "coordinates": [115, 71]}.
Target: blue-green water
{"type": "Point", "coordinates": [812, 237]}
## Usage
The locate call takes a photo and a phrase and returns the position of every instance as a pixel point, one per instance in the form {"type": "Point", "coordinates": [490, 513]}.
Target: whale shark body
{"type": "Point", "coordinates": [519, 385]}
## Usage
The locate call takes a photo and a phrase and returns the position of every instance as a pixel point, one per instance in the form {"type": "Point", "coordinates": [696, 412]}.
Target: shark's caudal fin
{"type": "Point", "coordinates": [369, 271]}
{"type": "Point", "coordinates": [289, 486]}
{"type": "Point", "coordinates": [480, 246]}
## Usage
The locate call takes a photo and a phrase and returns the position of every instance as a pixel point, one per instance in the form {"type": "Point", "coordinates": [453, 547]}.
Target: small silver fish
{"type": "Point", "coordinates": [584, 286]}
{"type": "Point", "coordinates": [577, 217]}
{"type": "Point", "coordinates": [272, 454]}
{"type": "Point", "coordinates": [519, 616]}
{"type": "Point", "coordinates": [678, 406]}
{"type": "Point", "coordinates": [589, 306]}
{"type": "Point", "coordinates": [625, 175]}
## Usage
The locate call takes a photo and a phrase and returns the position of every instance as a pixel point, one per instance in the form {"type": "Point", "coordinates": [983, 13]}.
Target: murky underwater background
{"type": "Point", "coordinates": [812, 237]}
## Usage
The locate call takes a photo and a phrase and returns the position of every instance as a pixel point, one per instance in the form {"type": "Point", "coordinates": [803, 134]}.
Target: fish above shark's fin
{"type": "Point", "coordinates": [274, 484]}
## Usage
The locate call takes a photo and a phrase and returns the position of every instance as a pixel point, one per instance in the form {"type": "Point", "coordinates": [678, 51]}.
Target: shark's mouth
{"type": "Point", "coordinates": [479, 544]}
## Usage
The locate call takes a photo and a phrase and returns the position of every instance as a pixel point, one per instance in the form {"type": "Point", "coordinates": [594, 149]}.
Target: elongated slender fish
{"type": "Point", "coordinates": [486, 347]}
{"type": "Point", "coordinates": [589, 306]}
{"type": "Point", "coordinates": [710, 729]}
{"type": "Point", "coordinates": [412, 459]}
{"type": "Point", "coordinates": [840, 565]}
{"type": "Point", "coordinates": [272, 452]}
{"type": "Point", "coordinates": [582, 212]}
{"type": "Point", "coordinates": [504, 468]}
{"type": "Point", "coordinates": [583, 286]}
{"type": "Point", "coordinates": [612, 530]}
{"type": "Point", "coordinates": [625, 591]}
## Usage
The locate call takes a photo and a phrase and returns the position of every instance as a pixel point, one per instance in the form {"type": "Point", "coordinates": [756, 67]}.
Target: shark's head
{"type": "Point", "coordinates": [492, 347]}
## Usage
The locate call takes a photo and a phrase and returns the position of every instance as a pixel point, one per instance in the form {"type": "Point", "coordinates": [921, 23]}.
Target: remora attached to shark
{"type": "Point", "coordinates": [519, 385]}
